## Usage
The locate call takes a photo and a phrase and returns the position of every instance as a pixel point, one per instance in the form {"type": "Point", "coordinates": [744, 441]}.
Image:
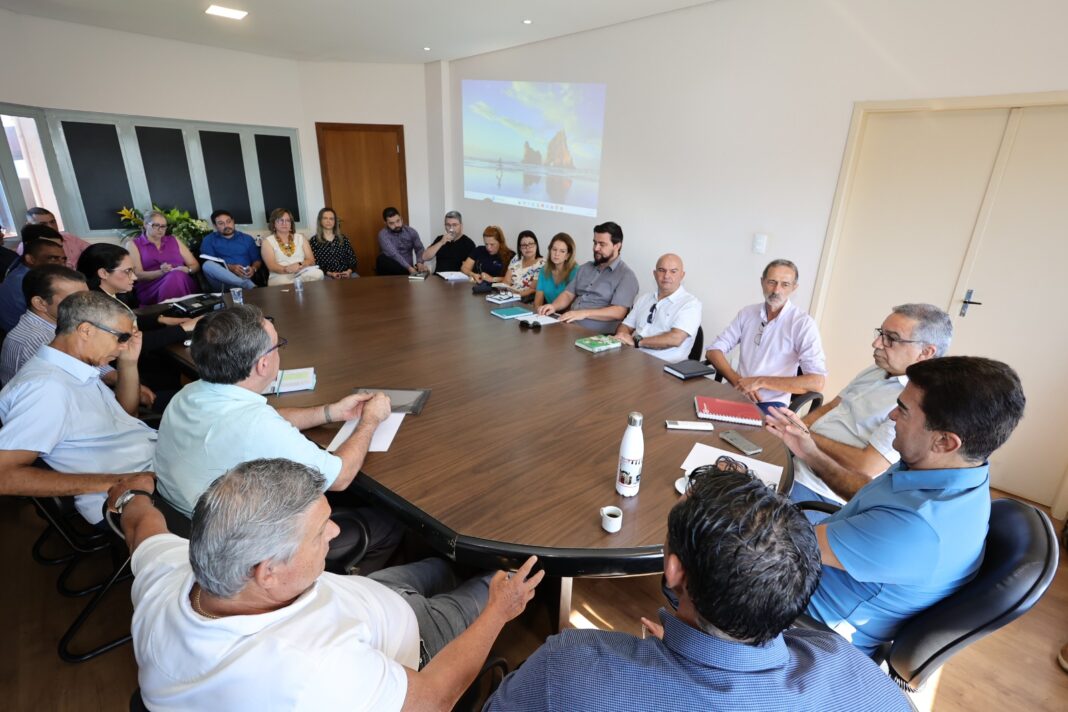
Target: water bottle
{"type": "Point", "coordinates": [631, 454]}
{"type": "Point", "coordinates": [298, 285]}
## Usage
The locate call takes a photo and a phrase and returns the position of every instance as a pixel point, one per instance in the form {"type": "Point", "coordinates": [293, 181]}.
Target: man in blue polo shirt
{"type": "Point", "coordinates": [238, 251]}
{"type": "Point", "coordinates": [916, 533]}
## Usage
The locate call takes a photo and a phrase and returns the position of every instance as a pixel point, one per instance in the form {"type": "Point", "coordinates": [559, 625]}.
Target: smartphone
{"type": "Point", "coordinates": [741, 442]}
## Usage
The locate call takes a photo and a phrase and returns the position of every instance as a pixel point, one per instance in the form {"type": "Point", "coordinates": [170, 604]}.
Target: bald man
{"type": "Point", "coordinates": [664, 323]}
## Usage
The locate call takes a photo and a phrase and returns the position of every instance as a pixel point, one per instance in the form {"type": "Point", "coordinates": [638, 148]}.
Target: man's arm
{"type": "Point", "coordinates": [609, 313]}
{"type": "Point", "coordinates": [439, 685]}
{"type": "Point", "coordinates": [140, 518]}
{"type": "Point", "coordinates": [389, 249]}
{"type": "Point", "coordinates": [19, 477]}
{"type": "Point", "coordinates": [814, 415]}
{"type": "Point", "coordinates": [419, 251]}
{"type": "Point", "coordinates": [667, 340]}
{"type": "Point", "coordinates": [432, 251]}
{"type": "Point", "coordinates": [791, 384]}
{"type": "Point", "coordinates": [128, 385]}
{"type": "Point", "coordinates": [723, 367]}
{"type": "Point", "coordinates": [844, 482]}
{"type": "Point", "coordinates": [866, 461]}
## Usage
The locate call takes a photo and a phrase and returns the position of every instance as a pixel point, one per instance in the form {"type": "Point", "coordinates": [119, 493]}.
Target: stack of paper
{"type": "Point", "coordinates": [293, 379]}
{"type": "Point", "coordinates": [453, 276]}
{"type": "Point", "coordinates": [503, 298]}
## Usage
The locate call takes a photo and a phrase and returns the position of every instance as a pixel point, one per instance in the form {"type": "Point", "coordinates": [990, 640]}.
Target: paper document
{"type": "Point", "coordinates": [454, 276]}
{"type": "Point", "coordinates": [539, 319]}
{"type": "Point", "coordinates": [213, 258]}
{"type": "Point", "coordinates": [291, 379]}
{"type": "Point", "coordinates": [380, 441]}
{"type": "Point", "coordinates": [707, 455]}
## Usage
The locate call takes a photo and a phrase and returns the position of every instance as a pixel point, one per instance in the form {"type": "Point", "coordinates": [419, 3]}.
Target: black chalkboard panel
{"type": "Point", "coordinates": [275, 156]}
{"type": "Point", "coordinates": [166, 167]}
{"type": "Point", "coordinates": [101, 174]}
{"type": "Point", "coordinates": [226, 174]}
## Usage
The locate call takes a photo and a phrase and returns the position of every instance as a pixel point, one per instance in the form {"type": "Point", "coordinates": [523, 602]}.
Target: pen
{"type": "Point", "coordinates": [796, 423]}
{"type": "Point", "coordinates": [278, 385]}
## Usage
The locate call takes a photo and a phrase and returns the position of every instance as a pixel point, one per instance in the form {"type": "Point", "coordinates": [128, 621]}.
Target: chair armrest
{"type": "Point", "coordinates": [813, 399]}
{"type": "Point", "coordinates": [816, 506]}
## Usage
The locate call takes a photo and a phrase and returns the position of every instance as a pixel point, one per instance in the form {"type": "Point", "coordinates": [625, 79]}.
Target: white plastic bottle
{"type": "Point", "coordinates": [631, 454]}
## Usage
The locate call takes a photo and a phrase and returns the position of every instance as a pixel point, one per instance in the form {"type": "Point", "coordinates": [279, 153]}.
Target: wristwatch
{"type": "Point", "coordinates": [637, 340]}
{"type": "Point", "coordinates": [126, 496]}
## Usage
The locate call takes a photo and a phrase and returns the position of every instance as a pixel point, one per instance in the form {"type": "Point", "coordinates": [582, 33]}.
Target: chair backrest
{"type": "Point", "coordinates": [698, 345]}
{"type": "Point", "coordinates": [1018, 565]}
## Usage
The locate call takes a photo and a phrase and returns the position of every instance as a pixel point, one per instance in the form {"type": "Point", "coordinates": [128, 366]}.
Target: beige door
{"type": "Point", "coordinates": [363, 173]}
{"type": "Point", "coordinates": [933, 203]}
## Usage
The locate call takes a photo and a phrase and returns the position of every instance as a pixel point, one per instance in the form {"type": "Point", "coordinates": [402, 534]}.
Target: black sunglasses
{"type": "Point", "coordinates": [121, 336]}
{"type": "Point", "coordinates": [525, 324]}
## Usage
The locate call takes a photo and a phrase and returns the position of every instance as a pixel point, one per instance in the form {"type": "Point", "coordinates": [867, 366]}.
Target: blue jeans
{"type": "Point", "coordinates": [444, 606]}
{"type": "Point", "coordinates": [221, 278]}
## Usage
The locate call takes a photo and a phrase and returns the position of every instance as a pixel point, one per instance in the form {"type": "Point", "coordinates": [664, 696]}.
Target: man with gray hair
{"type": "Point", "coordinates": [855, 430]}
{"type": "Point", "coordinates": [451, 249]}
{"type": "Point", "coordinates": [242, 616]}
{"type": "Point", "coordinates": [56, 408]}
{"type": "Point", "coordinates": [775, 340]}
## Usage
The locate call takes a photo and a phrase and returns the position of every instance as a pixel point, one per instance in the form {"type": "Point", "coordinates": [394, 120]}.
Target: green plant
{"type": "Point", "coordinates": [180, 223]}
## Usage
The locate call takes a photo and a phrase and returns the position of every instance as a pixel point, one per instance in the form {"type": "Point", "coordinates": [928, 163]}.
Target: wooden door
{"type": "Point", "coordinates": [937, 202]}
{"type": "Point", "coordinates": [363, 173]}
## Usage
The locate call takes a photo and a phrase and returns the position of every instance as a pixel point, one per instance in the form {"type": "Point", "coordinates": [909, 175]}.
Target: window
{"type": "Point", "coordinates": [86, 166]}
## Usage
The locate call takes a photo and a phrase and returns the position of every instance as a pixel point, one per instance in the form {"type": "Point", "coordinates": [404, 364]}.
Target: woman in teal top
{"type": "Point", "coordinates": [558, 271]}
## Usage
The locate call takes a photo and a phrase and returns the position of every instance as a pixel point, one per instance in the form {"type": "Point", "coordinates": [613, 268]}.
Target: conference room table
{"type": "Point", "coordinates": [516, 449]}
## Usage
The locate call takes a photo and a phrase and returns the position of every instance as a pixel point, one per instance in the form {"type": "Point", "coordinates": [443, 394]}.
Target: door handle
{"type": "Point", "coordinates": [967, 302]}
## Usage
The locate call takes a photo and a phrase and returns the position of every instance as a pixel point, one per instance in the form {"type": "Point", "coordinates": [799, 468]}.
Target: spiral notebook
{"type": "Point", "coordinates": [728, 411]}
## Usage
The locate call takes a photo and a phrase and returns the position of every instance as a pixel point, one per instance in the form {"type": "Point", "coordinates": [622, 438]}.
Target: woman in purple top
{"type": "Point", "coordinates": [163, 264]}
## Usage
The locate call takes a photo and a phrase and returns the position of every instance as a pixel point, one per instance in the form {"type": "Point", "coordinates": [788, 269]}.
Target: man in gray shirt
{"type": "Point", "coordinates": [603, 291]}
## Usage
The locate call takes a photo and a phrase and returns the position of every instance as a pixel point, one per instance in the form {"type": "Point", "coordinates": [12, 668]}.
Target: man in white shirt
{"type": "Point", "coordinates": [664, 323]}
{"type": "Point", "coordinates": [56, 408]}
{"type": "Point", "coordinates": [774, 339]}
{"type": "Point", "coordinates": [242, 616]}
{"type": "Point", "coordinates": [855, 430]}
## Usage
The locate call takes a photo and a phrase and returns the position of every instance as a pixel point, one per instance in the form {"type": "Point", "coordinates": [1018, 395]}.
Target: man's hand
{"type": "Point", "coordinates": [141, 481]}
{"type": "Point", "coordinates": [574, 315]}
{"type": "Point", "coordinates": [238, 270]}
{"type": "Point", "coordinates": [189, 324]}
{"type": "Point", "coordinates": [375, 406]}
{"type": "Point", "coordinates": [779, 422]}
{"type": "Point", "coordinates": [546, 310]}
{"type": "Point", "coordinates": [655, 629]}
{"type": "Point", "coordinates": [147, 396]}
{"type": "Point", "coordinates": [420, 267]}
{"type": "Point", "coordinates": [133, 349]}
{"type": "Point", "coordinates": [626, 338]}
{"type": "Point", "coordinates": [750, 387]}
{"type": "Point", "coordinates": [510, 592]}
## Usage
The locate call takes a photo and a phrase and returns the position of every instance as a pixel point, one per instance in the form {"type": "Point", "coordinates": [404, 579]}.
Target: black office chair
{"type": "Point", "coordinates": [1018, 566]}
{"type": "Point", "coordinates": [698, 345]}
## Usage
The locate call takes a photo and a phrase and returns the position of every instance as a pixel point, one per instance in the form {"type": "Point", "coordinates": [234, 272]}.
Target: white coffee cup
{"type": "Point", "coordinates": [611, 519]}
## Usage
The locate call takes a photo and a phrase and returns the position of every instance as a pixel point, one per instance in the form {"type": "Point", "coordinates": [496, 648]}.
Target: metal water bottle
{"type": "Point", "coordinates": [631, 454]}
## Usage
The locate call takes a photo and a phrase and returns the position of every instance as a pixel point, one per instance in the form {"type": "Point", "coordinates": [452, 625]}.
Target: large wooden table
{"type": "Point", "coordinates": [516, 450]}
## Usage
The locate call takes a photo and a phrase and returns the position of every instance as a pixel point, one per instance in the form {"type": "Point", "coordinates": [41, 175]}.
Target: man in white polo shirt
{"type": "Point", "coordinates": [855, 429]}
{"type": "Point", "coordinates": [774, 340]}
{"type": "Point", "coordinates": [664, 323]}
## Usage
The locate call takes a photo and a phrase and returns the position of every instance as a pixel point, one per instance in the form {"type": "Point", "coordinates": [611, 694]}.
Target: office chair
{"type": "Point", "coordinates": [698, 345]}
{"type": "Point", "coordinates": [1018, 566]}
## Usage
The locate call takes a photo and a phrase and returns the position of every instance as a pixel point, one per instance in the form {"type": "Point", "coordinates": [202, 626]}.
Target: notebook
{"type": "Point", "coordinates": [728, 411]}
{"type": "Point", "coordinates": [511, 312]}
{"type": "Point", "coordinates": [503, 297]}
{"type": "Point", "coordinates": [453, 276]}
{"type": "Point", "coordinates": [689, 369]}
{"type": "Point", "coordinates": [599, 343]}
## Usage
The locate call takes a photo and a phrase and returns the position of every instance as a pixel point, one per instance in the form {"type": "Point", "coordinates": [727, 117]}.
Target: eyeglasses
{"type": "Point", "coordinates": [760, 333]}
{"type": "Point", "coordinates": [892, 340]}
{"type": "Point", "coordinates": [652, 312]}
{"type": "Point", "coordinates": [129, 271]}
{"type": "Point", "coordinates": [280, 345]}
{"type": "Point", "coordinates": [158, 226]}
{"type": "Point", "coordinates": [121, 336]}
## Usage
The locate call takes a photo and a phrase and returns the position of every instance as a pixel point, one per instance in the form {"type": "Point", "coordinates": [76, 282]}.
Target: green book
{"type": "Point", "coordinates": [598, 343]}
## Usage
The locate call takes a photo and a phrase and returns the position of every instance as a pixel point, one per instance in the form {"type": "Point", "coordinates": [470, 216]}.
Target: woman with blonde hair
{"type": "Point", "coordinates": [286, 252]}
{"type": "Point", "coordinates": [332, 249]}
{"type": "Point", "coordinates": [559, 269]}
{"type": "Point", "coordinates": [487, 263]}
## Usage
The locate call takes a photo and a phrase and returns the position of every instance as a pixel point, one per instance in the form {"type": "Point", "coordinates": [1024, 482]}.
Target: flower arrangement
{"type": "Point", "coordinates": [180, 223]}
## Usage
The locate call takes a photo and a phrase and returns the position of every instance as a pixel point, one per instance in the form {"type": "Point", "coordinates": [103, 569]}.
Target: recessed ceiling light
{"type": "Point", "coordinates": [426, 49]}
{"type": "Point", "coordinates": [226, 12]}
{"type": "Point", "coordinates": [528, 22]}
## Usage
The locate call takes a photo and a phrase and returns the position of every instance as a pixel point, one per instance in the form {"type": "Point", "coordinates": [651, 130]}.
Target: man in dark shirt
{"type": "Point", "coordinates": [452, 248]}
{"type": "Point", "coordinates": [741, 562]}
{"type": "Point", "coordinates": [41, 246]}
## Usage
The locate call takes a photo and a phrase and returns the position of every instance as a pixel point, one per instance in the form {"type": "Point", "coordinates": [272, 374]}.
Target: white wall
{"type": "Point", "coordinates": [66, 66]}
{"type": "Point", "coordinates": [730, 118]}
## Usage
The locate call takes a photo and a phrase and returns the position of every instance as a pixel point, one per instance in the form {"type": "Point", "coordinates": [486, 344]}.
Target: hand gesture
{"type": "Point", "coordinates": [750, 387]}
{"type": "Point", "coordinates": [510, 592]}
{"type": "Point", "coordinates": [655, 629]}
{"type": "Point", "coordinates": [133, 349]}
{"type": "Point", "coordinates": [546, 310]}
{"type": "Point", "coordinates": [779, 422]}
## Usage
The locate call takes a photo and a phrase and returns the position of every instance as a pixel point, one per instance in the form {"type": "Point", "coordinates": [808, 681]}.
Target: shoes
{"type": "Point", "coordinates": [1062, 657]}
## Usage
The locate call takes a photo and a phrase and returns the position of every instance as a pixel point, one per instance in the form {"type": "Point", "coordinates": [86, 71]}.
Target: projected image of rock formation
{"type": "Point", "coordinates": [558, 155]}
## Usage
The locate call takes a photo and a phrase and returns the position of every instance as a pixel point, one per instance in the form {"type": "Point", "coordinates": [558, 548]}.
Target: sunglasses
{"type": "Point", "coordinates": [535, 325]}
{"type": "Point", "coordinates": [121, 336]}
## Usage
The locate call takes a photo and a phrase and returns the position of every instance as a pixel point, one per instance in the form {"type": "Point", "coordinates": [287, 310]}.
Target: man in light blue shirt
{"type": "Point", "coordinates": [915, 534]}
{"type": "Point", "coordinates": [238, 251]}
{"type": "Point", "coordinates": [57, 408]}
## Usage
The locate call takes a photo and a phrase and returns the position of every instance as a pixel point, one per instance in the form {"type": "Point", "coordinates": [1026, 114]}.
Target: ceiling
{"type": "Point", "coordinates": [353, 30]}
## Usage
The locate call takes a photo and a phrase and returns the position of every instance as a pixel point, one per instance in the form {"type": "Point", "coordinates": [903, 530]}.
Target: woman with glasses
{"type": "Point", "coordinates": [486, 264]}
{"type": "Point", "coordinates": [523, 271]}
{"type": "Point", "coordinates": [558, 271]}
{"type": "Point", "coordinates": [332, 250]}
{"type": "Point", "coordinates": [110, 269]}
{"type": "Point", "coordinates": [162, 263]}
{"type": "Point", "coordinates": [286, 253]}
